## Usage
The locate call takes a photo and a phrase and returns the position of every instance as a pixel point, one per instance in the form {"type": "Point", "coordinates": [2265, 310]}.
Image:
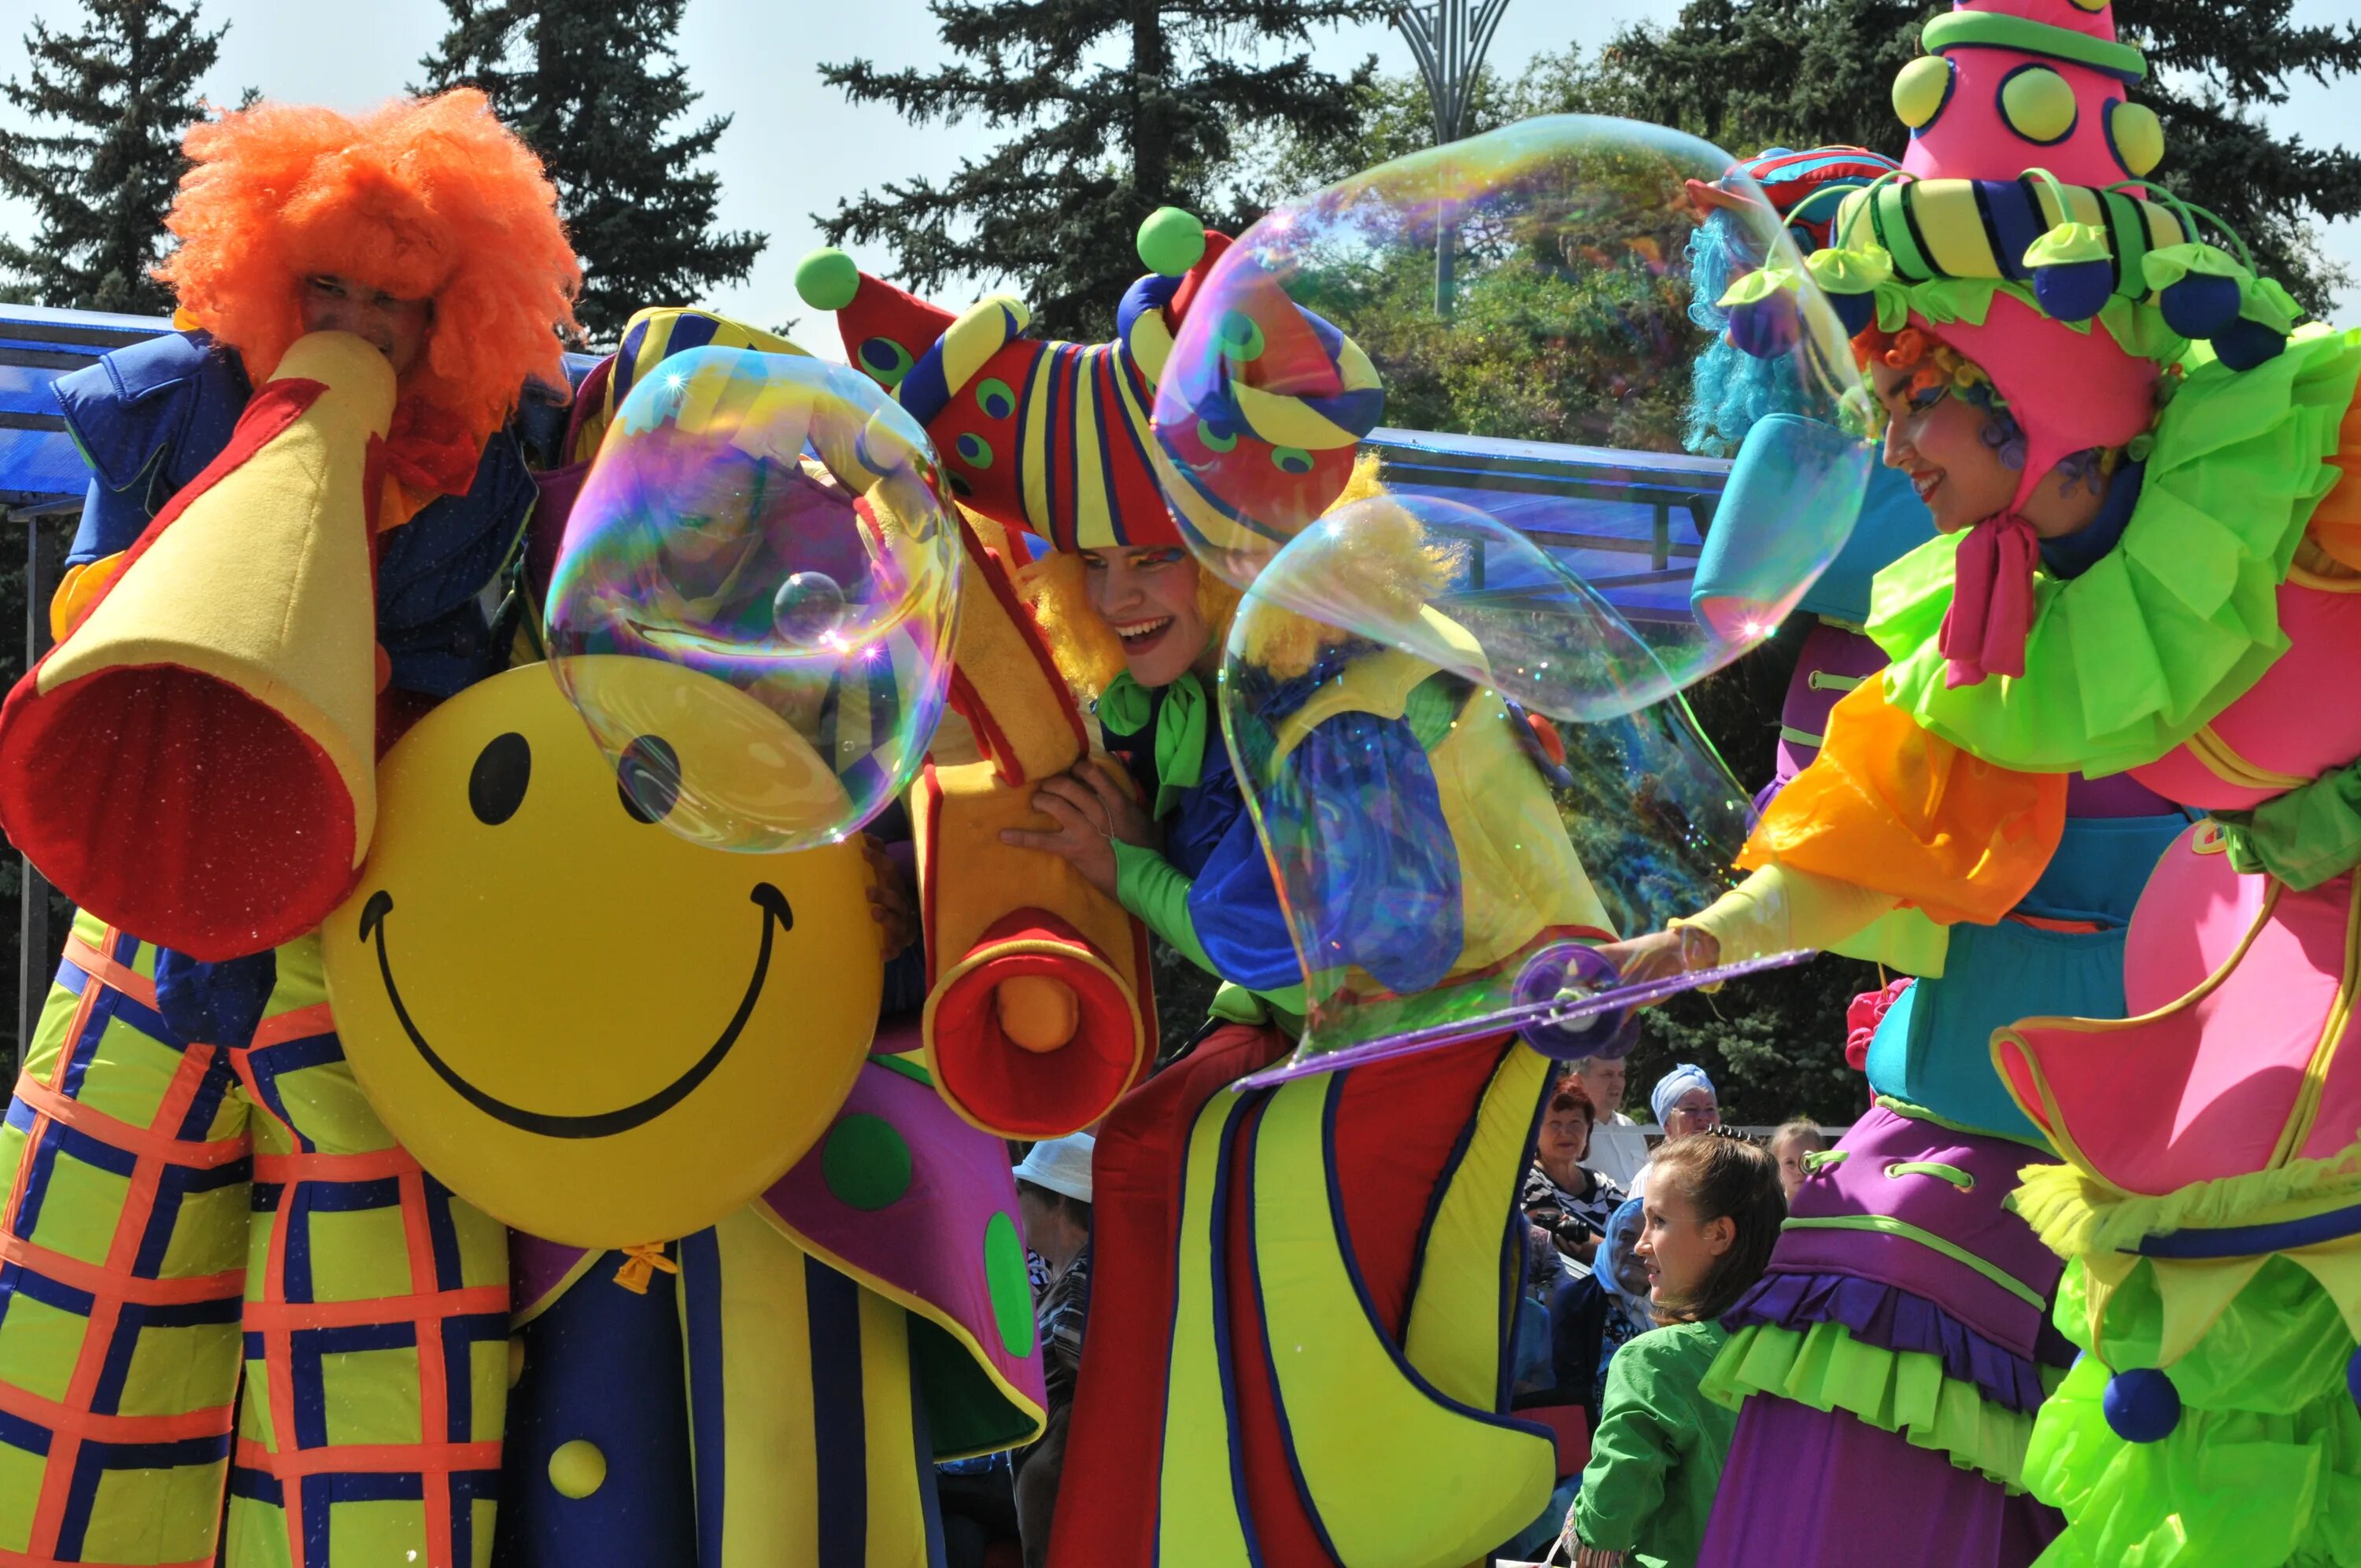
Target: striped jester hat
{"type": "Point", "coordinates": [1054, 437]}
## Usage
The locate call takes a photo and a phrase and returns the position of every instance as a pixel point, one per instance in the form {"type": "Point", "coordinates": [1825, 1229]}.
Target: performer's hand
{"type": "Point", "coordinates": [1662, 954]}
{"type": "Point", "coordinates": [891, 904]}
{"type": "Point", "coordinates": [1093, 812]}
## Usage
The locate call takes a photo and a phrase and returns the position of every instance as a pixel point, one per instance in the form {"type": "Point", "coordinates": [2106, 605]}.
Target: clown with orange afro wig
{"type": "Point", "coordinates": [297, 501]}
{"type": "Point", "coordinates": [267, 501]}
{"type": "Point", "coordinates": [428, 200]}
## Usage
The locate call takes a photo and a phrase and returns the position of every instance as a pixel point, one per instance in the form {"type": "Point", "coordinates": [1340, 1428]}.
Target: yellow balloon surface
{"type": "Point", "coordinates": [593, 1029]}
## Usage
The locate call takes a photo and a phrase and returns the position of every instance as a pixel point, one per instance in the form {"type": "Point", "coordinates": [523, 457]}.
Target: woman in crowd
{"type": "Point", "coordinates": [1594, 1315]}
{"type": "Point", "coordinates": [1712, 1212]}
{"type": "Point", "coordinates": [1684, 1102]}
{"type": "Point", "coordinates": [1568, 1201]}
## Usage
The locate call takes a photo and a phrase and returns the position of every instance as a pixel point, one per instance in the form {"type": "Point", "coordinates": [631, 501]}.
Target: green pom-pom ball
{"type": "Point", "coordinates": [826, 280]}
{"type": "Point", "coordinates": [1171, 242]}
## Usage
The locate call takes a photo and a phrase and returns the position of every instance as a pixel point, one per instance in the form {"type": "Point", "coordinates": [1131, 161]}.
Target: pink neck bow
{"type": "Point", "coordinates": [1992, 601]}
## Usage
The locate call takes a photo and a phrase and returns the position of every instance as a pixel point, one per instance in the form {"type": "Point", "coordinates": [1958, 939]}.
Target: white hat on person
{"type": "Point", "coordinates": [1061, 1165]}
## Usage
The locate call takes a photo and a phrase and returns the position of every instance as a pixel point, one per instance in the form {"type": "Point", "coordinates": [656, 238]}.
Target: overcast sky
{"type": "Point", "coordinates": [797, 148]}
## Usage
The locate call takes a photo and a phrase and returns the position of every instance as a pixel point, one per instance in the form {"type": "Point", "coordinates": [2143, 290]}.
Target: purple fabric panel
{"type": "Point", "coordinates": [1807, 1486]}
{"type": "Point", "coordinates": [1868, 1182]}
{"type": "Point", "coordinates": [1828, 651]}
{"type": "Point", "coordinates": [928, 1243]}
{"type": "Point", "coordinates": [1891, 1319]}
{"type": "Point", "coordinates": [2119, 796]}
{"type": "Point", "coordinates": [535, 1266]}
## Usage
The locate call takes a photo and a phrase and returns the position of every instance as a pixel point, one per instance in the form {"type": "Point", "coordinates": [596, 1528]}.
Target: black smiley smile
{"type": "Point", "coordinates": [776, 916]}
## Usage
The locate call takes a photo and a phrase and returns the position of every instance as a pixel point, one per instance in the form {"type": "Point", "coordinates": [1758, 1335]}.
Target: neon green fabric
{"type": "Point", "coordinates": [2133, 657]}
{"type": "Point", "coordinates": [1905, 1392]}
{"type": "Point", "coordinates": [1656, 1458]}
{"type": "Point", "coordinates": [1157, 891]}
{"type": "Point", "coordinates": [2304, 837]}
{"type": "Point", "coordinates": [2074, 1214]}
{"type": "Point", "coordinates": [1124, 709]}
{"type": "Point", "coordinates": [2264, 1468]}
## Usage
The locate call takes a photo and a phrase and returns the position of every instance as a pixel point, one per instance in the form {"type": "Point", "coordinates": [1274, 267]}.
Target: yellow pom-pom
{"type": "Point", "coordinates": [1037, 1012]}
{"type": "Point", "coordinates": [2039, 104]}
{"type": "Point", "coordinates": [577, 1468]}
{"type": "Point", "coordinates": [1920, 90]}
{"type": "Point", "coordinates": [2138, 137]}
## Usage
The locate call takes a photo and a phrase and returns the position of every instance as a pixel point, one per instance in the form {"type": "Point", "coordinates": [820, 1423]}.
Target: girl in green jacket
{"type": "Point", "coordinates": [1714, 1207]}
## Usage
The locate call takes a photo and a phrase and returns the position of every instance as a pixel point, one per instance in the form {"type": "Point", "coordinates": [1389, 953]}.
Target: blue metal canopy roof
{"type": "Point", "coordinates": [1629, 523]}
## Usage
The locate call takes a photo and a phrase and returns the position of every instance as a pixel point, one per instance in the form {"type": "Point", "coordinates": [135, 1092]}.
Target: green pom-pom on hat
{"type": "Point", "coordinates": [2069, 244]}
{"type": "Point", "coordinates": [1851, 271]}
{"type": "Point", "coordinates": [1171, 242]}
{"type": "Point", "coordinates": [826, 280]}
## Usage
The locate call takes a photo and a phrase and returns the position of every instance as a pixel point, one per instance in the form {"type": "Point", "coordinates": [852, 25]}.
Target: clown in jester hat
{"type": "Point", "coordinates": [1054, 439]}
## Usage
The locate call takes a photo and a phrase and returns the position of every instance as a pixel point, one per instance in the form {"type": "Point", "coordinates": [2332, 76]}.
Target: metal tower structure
{"type": "Point", "coordinates": [1448, 38]}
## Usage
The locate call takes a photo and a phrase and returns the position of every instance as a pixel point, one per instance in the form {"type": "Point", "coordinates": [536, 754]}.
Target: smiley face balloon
{"type": "Point", "coordinates": [594, 1029]}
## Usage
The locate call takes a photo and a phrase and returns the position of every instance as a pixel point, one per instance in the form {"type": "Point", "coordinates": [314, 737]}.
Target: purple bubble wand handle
{"type": "Point", "coordinates": [1548, 1016]}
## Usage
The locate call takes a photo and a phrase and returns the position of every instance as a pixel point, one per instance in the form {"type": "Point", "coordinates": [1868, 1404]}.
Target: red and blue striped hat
{"type": "Point", "coordinates": [1804, 188]}
{"type": "Point", "coordinates": [1054, 438]}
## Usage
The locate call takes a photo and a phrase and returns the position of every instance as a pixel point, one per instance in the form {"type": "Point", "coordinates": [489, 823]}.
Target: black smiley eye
{"type": "Point", "coordinates": [648, 778]}
{"type": "Point", "coordinates": [496, 785]}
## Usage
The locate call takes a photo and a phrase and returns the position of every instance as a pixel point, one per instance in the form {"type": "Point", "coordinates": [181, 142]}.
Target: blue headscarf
{"type": "Point", "coordinates": [1614, 1249]}
{"type": "Point", "coordinates": [1675, 1083]}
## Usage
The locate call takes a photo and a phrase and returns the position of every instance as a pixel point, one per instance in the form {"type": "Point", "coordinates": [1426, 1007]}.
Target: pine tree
{"type": "Point", "coordinates": [1750, 73]}
{"type": "Point", "coordinates": [1117, 107]}
{"type": "Point", "coordinates": [120, 91]}
{"type": "Point", "coordinates": [595, 88]}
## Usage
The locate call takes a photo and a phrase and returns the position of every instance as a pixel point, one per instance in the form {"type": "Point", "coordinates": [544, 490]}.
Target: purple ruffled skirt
{"type": "Point", "coordinates": [1821, 1487]}
{"type": "Point", "coordinates": [1825, 1487]}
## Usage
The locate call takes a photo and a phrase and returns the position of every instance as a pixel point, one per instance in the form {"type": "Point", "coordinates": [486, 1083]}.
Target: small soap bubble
{"type": "Point", "coordinates": [808, 610]}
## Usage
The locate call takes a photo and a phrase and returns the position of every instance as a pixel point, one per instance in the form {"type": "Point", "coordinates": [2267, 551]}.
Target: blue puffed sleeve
{"type": "Point", "coordinates": [1361, 818]}
{"type": "Point", "coordinates": [146, 418]}
{"type": "Point", "coordinates": [1234, 907]}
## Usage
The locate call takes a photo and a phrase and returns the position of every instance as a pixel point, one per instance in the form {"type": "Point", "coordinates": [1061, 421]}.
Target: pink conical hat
{"type": "Point", "coordinates": [2025, 84]}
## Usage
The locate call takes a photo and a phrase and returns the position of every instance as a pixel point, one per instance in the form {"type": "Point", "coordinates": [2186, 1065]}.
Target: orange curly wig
{"type": "Point", "coordinates": [425, 198]}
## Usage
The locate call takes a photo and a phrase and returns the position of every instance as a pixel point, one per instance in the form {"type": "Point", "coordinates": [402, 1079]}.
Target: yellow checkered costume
{"type": "Point", "coordinates": [176, 1213]}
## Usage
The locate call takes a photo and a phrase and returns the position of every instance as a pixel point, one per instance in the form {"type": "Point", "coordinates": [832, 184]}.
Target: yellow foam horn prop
{"type": "Point", "coordinates": [196, 761]}
{"type": "Point", "coordinates": [1040, 1013]}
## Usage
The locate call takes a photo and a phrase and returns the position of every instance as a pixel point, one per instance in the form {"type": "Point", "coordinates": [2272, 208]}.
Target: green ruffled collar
{"type": "Point", "coordinates": [1126, 708]}
{"type": "Point", "coordinates": [2136, 655]}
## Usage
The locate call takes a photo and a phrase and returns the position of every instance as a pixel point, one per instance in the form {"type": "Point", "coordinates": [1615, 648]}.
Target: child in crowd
{"type": "Point", "coordinates": [1789, 1145]}
{"type": "Point", "coordinates": [1053, 1196]}
{"type": "Point", "coordinates": [1713, 1210]}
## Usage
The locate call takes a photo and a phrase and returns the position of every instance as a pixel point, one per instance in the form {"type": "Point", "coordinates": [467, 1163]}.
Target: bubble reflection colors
{"type": "Point", "coordinates": [1430, 835]}
{"type": "Point", "coordinates": [770, 524]}
{"type": "Point", "coordinates": [1551, 405]}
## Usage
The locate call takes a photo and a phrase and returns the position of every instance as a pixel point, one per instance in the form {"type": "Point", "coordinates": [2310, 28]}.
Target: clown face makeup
{"type": "Point", "coordinates": [395, 328]}
{"type": "Point", "coordinates": [1147, 597]}
{"type": "Point", "coordinates": [1945, 444]}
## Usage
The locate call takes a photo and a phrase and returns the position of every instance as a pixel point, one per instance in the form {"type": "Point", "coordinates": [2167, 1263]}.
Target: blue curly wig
{"type": "Point", "coordinates": [1730, 390]}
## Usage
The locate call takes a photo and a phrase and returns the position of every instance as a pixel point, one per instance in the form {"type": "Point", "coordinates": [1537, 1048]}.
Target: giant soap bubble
{"type": "Point", "coordinates": [1529, 300]}
{"type": "Point", "coordinates": [1443, 853]}
{"type": "Point", "coordinates": [773, 522]}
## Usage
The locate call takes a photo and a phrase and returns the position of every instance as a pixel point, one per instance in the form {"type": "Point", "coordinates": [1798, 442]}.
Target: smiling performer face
{"type": "Point", "coordinates": [595, 1029]}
